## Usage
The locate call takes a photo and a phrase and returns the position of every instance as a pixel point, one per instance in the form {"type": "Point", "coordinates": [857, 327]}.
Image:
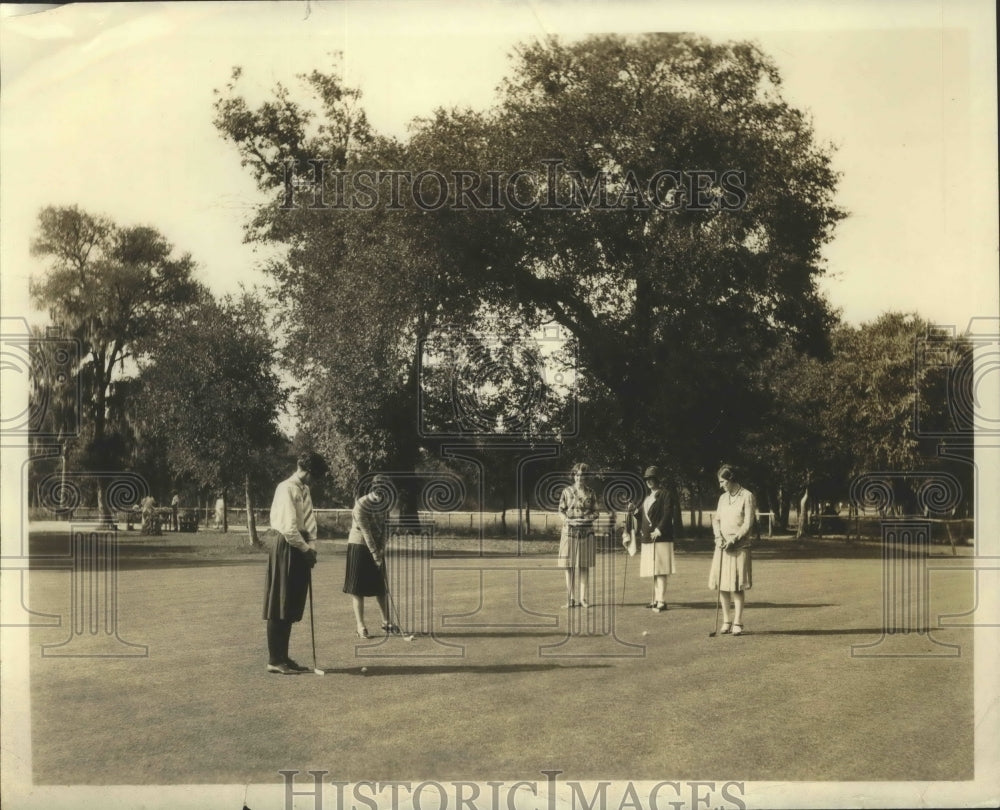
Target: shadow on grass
{"type": "Point", "coordinates": [711, 605]}
{"type": "Point", "coordinates": [445, 669]}
{"type": "Point", "coordinates": [815, 548]}
{"type": "Point", "coordinates": [554, 632]}
{"type": "Point", "coordinates": [49, 549]}
{"type": "Point", "coordinates": [808, 631]}
{"type": "Point", "coordinates": [126, 563]}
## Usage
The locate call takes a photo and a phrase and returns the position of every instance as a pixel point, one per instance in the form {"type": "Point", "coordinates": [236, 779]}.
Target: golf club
{"type": "Point", "coordinates": [312, 628]}
{"type": "Point", "coordinates": [718, 599]}
{"type": "Point", "coordinates": [393, 613]}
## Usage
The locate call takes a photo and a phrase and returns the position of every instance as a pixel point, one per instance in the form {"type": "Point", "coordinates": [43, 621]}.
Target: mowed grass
{"type": "Point", "coordinates": [508, 684]}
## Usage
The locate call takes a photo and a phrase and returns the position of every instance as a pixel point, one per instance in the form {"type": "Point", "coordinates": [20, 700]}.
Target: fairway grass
{"type": "Point", "coordinates": [508, 684]}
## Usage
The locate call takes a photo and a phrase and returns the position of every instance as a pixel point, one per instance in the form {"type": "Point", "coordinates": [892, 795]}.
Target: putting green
{"type": "Point", "coordinates": [509, 683]}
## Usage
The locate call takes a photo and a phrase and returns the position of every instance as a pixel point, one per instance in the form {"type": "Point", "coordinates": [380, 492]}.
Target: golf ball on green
{"type": "Point", "coordinates": [645, 632]}
{"type": "Point", "coordinates": [364, 670]}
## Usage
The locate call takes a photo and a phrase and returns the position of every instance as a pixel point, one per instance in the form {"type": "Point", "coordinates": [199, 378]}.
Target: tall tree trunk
{"type": "Point", "coordinates": [62, 473]}
{"type": "Point", "coordinates": [697, 505]}
{"type": "Point", "coordinates": [772, 500]}
{"type": "Point", "coordinates": [251, 520]}
{"type": "Point", "coordinates": [784, 508]}
{"type": "Point", "coordinates": [678, 516]}
{"type": "Point", "coordinates": [803, 514]}
{"type": "Point", "coordinates": [103, 512]}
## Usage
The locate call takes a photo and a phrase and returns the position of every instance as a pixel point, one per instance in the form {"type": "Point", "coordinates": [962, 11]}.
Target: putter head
{"type": "Point", "coordinates": [319, 671]}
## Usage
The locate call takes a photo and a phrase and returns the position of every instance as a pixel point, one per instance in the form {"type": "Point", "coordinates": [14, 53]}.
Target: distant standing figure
{"type": "Point", "coordinates": [290, 561]}
{"type": "Point", "coordinates": [577, 545]}
{"type": "Point", "coordinates": [734, 525]}
{"type": "Point", "coordinates": [220, 512]}
{"type": "Point", "coordinates": [150, 520]}
{"type": "Point", "coordinates": [655, 518]}
{"type": "Point", "coordinates": [175, 513]}
{"type": "Point", "coordinates": [365, 574]}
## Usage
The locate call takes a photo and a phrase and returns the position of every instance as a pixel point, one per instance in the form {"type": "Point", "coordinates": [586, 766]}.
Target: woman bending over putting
{"type": "Point", "coordinates": [366, 575]}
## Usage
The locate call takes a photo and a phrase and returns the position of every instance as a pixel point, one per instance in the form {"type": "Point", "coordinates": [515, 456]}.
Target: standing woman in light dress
{"type": "Point", "coordinates": [577, 545]}
{"type": "Point", "coordinates": [734, 524]}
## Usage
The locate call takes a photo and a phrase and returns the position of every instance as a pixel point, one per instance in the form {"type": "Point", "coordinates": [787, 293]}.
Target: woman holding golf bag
{"type": "Point", "coordinates": [655, 519]}
{"type": "Point", "coordinates": [577, 545]}
{"type": "Point", "coordinates": [365, 574]}
{"type": "Point", "coordinates": [734, 525]}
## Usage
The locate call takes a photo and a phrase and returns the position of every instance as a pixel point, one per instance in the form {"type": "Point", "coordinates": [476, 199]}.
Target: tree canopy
{"type": "Point", "coordinates": [674, 298]}
{"type": "Point", "coordinates": [212, 396]}
{"type": "Point", "coordinates": [114, 289]}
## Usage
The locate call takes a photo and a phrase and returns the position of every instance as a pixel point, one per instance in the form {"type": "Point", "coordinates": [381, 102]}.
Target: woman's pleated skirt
{"type": "Point", "coordinates": [577, 549]}
{"type": "Point", "coordinates": [363, 577]}
{"type": "Point", "coordinates": [736, 570]}
{"type": "Point", "coordinates": [657, 559]}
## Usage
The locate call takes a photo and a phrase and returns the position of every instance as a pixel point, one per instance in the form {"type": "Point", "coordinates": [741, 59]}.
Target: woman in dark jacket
{"type": "Point", "coordinates": [654, 517]}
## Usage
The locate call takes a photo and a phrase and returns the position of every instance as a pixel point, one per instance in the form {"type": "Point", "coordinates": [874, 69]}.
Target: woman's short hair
{"type": "Point", "coordinates": [729, 472]}
{"type": "Point", "coordinates": [312, 463]}
{"type": "Point", "coordinates": [580, 468]}
{"type": "Point", "coordinates": [372, 483]}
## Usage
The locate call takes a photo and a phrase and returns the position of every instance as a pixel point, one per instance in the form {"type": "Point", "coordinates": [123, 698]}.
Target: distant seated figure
{"type": "Point", "coordinates": [150, 520]}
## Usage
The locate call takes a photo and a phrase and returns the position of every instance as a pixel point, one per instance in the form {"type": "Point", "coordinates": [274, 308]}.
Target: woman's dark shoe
{"type": "Point", "coordinates": [363, 633]}
{"type": "Point", "coordinates": [390, 629]}
{"type": "Point", "coordinates": [282, 669]}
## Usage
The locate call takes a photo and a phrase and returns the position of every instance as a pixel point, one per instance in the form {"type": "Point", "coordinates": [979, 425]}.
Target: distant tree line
{"type": "Point", "coordinates": [689, 334]}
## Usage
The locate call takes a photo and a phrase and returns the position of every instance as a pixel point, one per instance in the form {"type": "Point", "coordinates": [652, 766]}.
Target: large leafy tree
{"type": "Point", "coordinates": [499, 395]}
{"type": "Point", "coordinates": [364, 291]}
{"type": "Point", "coordinates": [795, 451]}
{"type": "Point", "coordinates": [876, 404]}
{"type": "Point", "coordinates": [53, 409]}
{"type": "Point", "coordinates": [673, 307]}
{"type": "Point", "coordinates": [114, 289]}
{"type": "Point", "coordinates": [880, 387]}
{"type": "Point", "coordinates": [212, 396]}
